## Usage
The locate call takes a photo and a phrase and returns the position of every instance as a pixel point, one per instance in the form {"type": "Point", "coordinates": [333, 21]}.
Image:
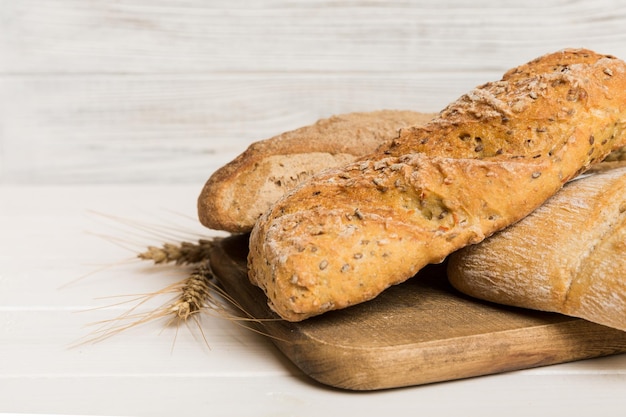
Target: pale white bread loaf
{"type": "Point", "coordinates": [488, 159]}
{"type": "Point", "coordinates": [568, 256]}
{"type": "Point", "coordinates": [238, 193]}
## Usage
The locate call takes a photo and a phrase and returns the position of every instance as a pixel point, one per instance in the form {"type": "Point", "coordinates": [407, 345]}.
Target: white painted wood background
{"type": "Point", "coordinates": [146, 98]}
{"type": "Point", "coordinates": [153, 91]}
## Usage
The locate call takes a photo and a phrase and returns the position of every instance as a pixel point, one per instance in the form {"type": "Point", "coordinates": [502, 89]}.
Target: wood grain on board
{"type": "Point", "coordinates": [418, 332]}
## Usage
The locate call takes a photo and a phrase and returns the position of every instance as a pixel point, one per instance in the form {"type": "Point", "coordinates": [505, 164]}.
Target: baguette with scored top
{"type": "Point", "coordinates": [488, 160]}
{"type": "Point", "coordinates": [236, 195]}
{"type": "Point", "coordinates": [568, 256]}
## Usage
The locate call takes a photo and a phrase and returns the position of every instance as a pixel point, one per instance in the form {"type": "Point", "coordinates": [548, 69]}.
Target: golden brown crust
{"type": "Point", "coordinates": [565, 257]}
{"type": "Point", "coordinates": [485, 162]}
{"type": "Point", "coordinates": [237, 194]}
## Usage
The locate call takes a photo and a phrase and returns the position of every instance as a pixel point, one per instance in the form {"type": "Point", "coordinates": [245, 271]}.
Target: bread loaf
{"type": "Point", "coordinates": [488, 160]}
{"type": "Point", "coordinates": [237, 194]}
{"type": "Point", "coordinates": [568, 256]}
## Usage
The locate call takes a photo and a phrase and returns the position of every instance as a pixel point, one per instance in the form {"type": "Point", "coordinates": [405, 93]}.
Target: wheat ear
{"type": "Point", "coordinates": [185, 253]}
{"type": "Point", "coordinates": [198, 293]}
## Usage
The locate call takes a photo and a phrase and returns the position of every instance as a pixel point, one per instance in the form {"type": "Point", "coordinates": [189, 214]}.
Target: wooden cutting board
{"type": "Point", "coordinates": [418, 332]}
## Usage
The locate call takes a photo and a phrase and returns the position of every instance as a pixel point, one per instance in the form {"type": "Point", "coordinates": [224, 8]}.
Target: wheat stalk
{"type": "Point", "coordinates": [198, 293]}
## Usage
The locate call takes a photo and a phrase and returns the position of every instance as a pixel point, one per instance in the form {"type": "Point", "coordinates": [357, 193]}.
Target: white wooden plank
{"type": "Point", "coordinates": [48, 344]}
{"type": "Point", "coordinates": [514, 394]}
{"type": "Point", "coordinates": [167, 91]}
{"type": "Point", "coordinates": [80, 245]}
{"type": "Point", "coordinates": [71, 36]}
{"type": "Point", "coordinates": [112, 129]}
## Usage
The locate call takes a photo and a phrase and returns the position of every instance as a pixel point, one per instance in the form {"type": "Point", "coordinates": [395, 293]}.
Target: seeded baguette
{"type": "Point", "coordinates": [568, 256]}
{"type": "Point", "coordinates": [488, 160]}
{"type": "Point", "coordinates": [238, 193]}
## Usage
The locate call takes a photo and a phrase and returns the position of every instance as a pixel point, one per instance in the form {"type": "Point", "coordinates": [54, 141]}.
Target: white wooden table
{"type": "Point", "coordinates": [121, 110]}
{"type": "Point", "coordinates": [52, 249]}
